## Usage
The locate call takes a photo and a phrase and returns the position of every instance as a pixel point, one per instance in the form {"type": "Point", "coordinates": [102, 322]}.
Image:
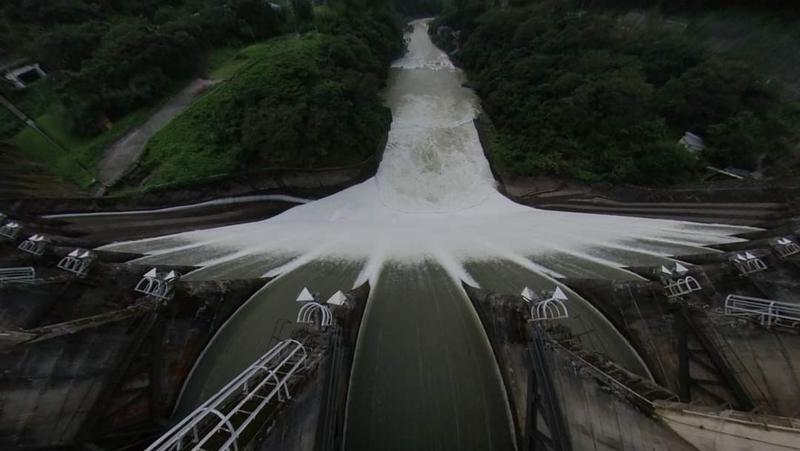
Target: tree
{"type": "Point", "coordinates": [303, 10]}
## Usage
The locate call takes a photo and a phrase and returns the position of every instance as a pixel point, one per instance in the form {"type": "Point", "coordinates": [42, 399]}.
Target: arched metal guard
{"type": "Point", "coordinates": [681, 287]}
{"type": "Point", "coordinates": [313, 312]}
{"type": "Point", "coordinates": [10, 230]}
{"type": "Point", "coordinates": [35, 245]}
{"type": "Point", "coordinates": [77, 262]}
{"type": "Point", "coordinates": [157, 284]}
{"type": "Point", "coordinates": [748, 263]}
{"type": "Point", "coordinates": [786, 247]}
{"type": "Point", "coordinates": [551, 308]}
{"type": "Point", "coordinates": [219, 422]}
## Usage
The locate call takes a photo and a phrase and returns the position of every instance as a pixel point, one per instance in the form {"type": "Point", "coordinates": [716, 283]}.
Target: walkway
{"type": "Point", "coordinates": [124, 153]}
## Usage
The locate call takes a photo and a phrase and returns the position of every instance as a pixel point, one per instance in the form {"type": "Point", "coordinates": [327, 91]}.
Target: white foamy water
{"type": "Point", "coordinates": [434, 197]}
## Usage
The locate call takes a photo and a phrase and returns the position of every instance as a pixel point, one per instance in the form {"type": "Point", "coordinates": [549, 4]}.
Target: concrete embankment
{"type": "Point", "coordinates": [566, 397]}
{"type": "Point", "coordinates": [88, 360]}
{"type": "Point", "coordinates": [697, 351]}
{"type": "Point", "coordinates": [740, 202]}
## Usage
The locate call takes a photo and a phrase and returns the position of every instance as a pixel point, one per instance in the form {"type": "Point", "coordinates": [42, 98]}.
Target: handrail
{"type": "Point", "coordinates": [275, 368]}
{"type": "Point", "coordinates": [768, 310]}
{"type": "Point", "coordinates": [19, 274]}
{"type": "Point", "coordinates": [607, 376]}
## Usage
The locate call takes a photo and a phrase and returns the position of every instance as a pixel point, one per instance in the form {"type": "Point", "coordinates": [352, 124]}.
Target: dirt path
{"type": "Point", "coordinates": [124, 153]}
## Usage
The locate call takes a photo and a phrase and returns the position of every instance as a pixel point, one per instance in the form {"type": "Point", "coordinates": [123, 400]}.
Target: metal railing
{"type": "Point", "coordinates": [611, 380]}
{"type": "Point", "coordinates": [681, 287]}
{"type": "Point", "coordinates": [17, 275]}
{"type": "Point", "coordinates": [551, 308]}
{"type": "Point", "coordinates": [767, 311]}
{"type": "Point", "coordinates": [748, 263]}
{"type": "Point", "coordinates": [313, 312]}
{"type": "Point", "coordinates": [10, 230]}
{"type": "Point", "coordinates": [77, 262]}
{"type": "Point", "coordinates": [219, 422]}
{"type": "Point", "coordinates": [35, 245]}
{"type": "Point", "coordinates": [785, 247]}
{"type": "Point", "coordinates": [157, 284]}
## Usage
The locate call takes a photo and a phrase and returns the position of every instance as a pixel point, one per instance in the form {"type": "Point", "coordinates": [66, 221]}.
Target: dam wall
{"type": "Point", "coordinates": [88, 360]}
{"type": "Point", "coordinates": [698, 352]}
{"type": "Point", "coordinates": [557, 394]}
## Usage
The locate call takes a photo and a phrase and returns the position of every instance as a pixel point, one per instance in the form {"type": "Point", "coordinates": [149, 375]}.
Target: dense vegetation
{"type": "Point", "coordinates": [302, 102]}
{"type": "Point", "coordinates": [108, 58]}
{"type": "Point", "coordinates": [681, 6]}
{"type": "Point", "coordinates": [305, 101]}
{"type": "Point", "coordinates": [585, 94]}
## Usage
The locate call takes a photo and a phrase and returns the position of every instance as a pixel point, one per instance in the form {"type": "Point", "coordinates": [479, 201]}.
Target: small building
{"type": "Point", "coordinates": [692, 142]}
{"type": "Point", "coordinates": [20, 75]}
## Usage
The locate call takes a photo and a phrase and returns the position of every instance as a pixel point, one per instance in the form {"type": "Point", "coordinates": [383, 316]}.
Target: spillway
{"type": "Point", "coordinates": [424, 376]}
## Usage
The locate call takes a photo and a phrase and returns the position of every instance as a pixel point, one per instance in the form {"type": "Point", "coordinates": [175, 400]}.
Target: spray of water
{"type": "Point", "coordinates": [433, 198]}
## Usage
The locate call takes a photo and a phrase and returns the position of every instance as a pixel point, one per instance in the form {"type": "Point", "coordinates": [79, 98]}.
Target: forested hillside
{"type": "Point", "coordinates": [304, 102]}
{"type": "Point", "coordinates": [107, 58]}
{"type": "Point", "coordinates": [584, 93]}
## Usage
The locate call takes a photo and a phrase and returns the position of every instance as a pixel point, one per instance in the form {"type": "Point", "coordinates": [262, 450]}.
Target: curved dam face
{"type": "Point", "coordinates": [424, 376]}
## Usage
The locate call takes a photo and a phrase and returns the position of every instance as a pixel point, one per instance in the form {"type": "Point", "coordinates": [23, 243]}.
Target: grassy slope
{"type": "Point", "coordinates": [75, 158]}
{"type": "Point", "coordinates": [204, 141]}
{"type": "Point", "coordinates": [189, 147]}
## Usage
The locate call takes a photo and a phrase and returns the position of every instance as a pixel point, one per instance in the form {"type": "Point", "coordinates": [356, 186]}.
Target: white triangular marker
{"type": "Point", "coordinates": [666, 270]}
{"type": "Point", "coordinates": [84, 254]}
{"type": "Point", "coordinates": [527, 294]}
{"type": "Point", "coordinates": [749, 256]}
{"type": "Point", "coordinates": [151, 273]}
{"type": "Point", "coordinates": [680, 269]}
{"type": "Point", "coordinates": [338, 298]}
{"type": "Point", "coordinates": [559, 295]}
{"type": "Point", "coordinates": [74, 253]}
{"type": "Point", "coordinates": [305, 296]}
{"type": "Point", "coordinates": [171, 275]}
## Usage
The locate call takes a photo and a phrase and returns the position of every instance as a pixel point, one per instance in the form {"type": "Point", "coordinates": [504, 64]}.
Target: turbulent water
{"type": "Point", "coordinates": [424, 376]}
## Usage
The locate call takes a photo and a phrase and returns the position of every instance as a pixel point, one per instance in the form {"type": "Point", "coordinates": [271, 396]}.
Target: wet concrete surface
{"type": "Point", "coordinates": [424, 376]}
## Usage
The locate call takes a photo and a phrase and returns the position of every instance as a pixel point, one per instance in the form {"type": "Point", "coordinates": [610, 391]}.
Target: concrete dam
{"type": "Point", "coordinates": [420, 309]}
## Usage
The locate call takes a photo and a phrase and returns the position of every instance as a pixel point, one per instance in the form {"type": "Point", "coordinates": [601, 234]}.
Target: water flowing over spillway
{"type": "Point", "coordinates": [424, 376]}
